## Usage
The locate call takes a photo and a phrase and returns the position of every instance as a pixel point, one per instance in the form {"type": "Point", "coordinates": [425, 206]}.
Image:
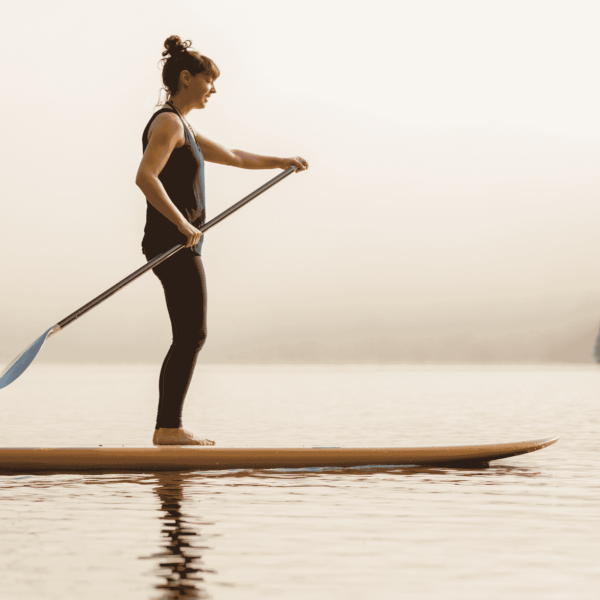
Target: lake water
{"type": "Point", "coordinates": [527, 527]}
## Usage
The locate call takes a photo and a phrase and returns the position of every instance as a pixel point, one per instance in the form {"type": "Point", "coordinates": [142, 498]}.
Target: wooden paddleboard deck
{"type": "Point", "coordinates": [205, 458]}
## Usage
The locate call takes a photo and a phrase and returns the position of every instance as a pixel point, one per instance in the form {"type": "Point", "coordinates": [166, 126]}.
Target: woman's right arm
{"type": "Point", "coordinates": [163, 138]}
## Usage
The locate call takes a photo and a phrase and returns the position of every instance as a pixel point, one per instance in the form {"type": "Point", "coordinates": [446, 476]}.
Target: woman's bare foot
{"type": "Point", "coordinates": [166, 436]}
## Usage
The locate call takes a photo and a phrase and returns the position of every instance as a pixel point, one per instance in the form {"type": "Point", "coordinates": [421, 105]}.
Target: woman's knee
{"type": "Point", "coordinates": [191, 339]}
{"type": "Point", "coordinates": [201, 338]}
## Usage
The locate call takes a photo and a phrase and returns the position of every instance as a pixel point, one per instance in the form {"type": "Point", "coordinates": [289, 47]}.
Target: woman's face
{"type": "Point", "coordinates": [201, 88]}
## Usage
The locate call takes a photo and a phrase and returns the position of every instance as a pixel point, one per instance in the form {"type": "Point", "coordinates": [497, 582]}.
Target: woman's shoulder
{"type": "Point", "coordinates": [165, 115]}
{"type": "Point", "coordinates": [167, 123]}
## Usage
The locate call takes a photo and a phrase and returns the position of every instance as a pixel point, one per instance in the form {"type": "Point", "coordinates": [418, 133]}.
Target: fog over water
{"type": "Point", "coordinates": [449, 214]}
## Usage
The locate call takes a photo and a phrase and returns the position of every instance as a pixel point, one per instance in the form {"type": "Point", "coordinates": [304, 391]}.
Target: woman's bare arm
{"type": "Point", "coordinates": [166, 134]}
{"type": "Point", "coordinates": [217, 153]}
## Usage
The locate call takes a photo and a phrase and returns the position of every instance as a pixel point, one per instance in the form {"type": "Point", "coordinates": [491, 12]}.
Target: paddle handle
{"type": "Point", "coordinates": [162, 257]}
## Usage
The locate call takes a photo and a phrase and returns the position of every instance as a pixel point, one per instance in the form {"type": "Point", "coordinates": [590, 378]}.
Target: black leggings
{"type": "Point", "coordinates": [182, 277]}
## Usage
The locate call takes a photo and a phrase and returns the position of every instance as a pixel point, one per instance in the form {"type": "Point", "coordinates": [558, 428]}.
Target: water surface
{"type": "Point", "coordinates": [527, 527]}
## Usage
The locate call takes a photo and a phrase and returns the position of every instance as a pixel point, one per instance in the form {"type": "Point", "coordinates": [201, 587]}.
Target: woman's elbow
{"type": "Point", "coordinates": [235, 159]}
{"type": "Point", "coordinates": [141, 179]}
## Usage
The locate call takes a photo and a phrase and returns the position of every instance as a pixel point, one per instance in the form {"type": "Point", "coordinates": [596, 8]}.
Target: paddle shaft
{"type": "Point", "coordinates": [162, 257]}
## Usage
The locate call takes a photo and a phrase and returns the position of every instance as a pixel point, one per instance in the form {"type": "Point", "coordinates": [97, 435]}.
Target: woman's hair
{"type": "Point", "coordinates": [178, 57]}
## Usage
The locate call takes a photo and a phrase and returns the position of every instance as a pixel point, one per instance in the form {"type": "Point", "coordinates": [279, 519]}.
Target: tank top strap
{"type": "Point", "coordinates": [174, 109]}
{"type": "Point", "coordinates": [186, 127]}
{"type": "Point", "coordinates": [160, 112]}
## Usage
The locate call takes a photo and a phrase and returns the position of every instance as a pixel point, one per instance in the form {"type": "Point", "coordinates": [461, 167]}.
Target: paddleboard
{"type": "Point", "coordinates": [204, 458]}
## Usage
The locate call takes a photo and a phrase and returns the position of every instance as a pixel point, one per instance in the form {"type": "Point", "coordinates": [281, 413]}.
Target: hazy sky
{"type": "Point", "coordinates": [452, 199]}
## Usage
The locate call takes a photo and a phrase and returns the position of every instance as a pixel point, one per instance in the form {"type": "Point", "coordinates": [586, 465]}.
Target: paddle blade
{"type": "Point", "coordinates": [19, 365]}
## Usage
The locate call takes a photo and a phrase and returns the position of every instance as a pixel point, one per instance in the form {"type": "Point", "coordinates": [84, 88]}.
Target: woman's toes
{"type": "Point", "coordinates": [197, 441]}
{"type": "Point", "coordinates": [178, 437]}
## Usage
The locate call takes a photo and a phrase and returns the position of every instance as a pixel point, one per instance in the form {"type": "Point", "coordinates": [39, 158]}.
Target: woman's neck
{"type": "Point", "coordinates": [181, 105]}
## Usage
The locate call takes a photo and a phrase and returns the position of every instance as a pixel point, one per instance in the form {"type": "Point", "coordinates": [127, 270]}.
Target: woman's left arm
{"type": "Point", "coordinates": [217, 153]}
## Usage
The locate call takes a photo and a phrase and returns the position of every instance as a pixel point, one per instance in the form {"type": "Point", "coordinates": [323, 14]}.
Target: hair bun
{"type": "Point", "coordinates": [175, 46]}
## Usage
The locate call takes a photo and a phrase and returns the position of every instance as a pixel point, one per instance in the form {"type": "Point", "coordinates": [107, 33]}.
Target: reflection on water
{"type": "Point", "coordinates": [388, 511]}
{"type": "Point", "coordinates": [180, 561]}
{"type": "Point", "coordinates": [527, 527]}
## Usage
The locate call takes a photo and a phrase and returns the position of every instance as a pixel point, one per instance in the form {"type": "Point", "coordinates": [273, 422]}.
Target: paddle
{"type": "Point", "coordinates": [18, 366]}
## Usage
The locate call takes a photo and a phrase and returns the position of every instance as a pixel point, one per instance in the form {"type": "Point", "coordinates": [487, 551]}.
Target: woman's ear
{"type": "Point", "coordinates": [184, 79]}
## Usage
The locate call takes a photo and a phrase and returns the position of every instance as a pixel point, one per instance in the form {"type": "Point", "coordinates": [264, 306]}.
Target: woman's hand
{"type": "Point", "coordinates": [297, 161]}
{"type": "Point", "coordinates": [192, 234]}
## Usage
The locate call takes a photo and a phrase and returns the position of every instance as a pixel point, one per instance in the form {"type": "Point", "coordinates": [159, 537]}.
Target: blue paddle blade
{"type": "Point", "coordinates": [18, 366]}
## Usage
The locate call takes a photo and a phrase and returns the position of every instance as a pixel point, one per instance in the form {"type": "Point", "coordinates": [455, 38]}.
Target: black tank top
{"type": "Point", "coordinates": [183, 179]}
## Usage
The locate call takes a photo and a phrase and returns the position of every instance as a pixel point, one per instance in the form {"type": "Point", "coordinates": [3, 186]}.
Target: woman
{"type": "Point", "coordinates": [171, 176]}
